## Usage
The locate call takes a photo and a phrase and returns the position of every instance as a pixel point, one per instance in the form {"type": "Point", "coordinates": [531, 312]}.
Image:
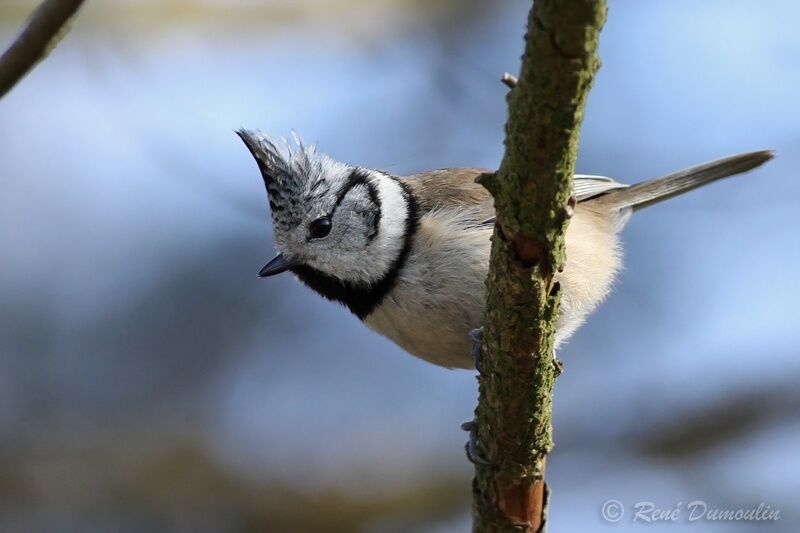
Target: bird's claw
{"type": "Point", "coordinates": [477, 344]}
{"type": "Point", "coordinates": [471, 447]}
{"type": "Point", "coordinates": [559, 365]}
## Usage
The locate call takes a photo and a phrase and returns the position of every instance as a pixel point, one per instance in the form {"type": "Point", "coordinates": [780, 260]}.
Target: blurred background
{"type": "Point", "coordinates": [150, 382]}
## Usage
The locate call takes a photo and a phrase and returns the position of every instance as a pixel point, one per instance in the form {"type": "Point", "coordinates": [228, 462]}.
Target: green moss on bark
{"type": "Point", "coordinates": [532, 192]}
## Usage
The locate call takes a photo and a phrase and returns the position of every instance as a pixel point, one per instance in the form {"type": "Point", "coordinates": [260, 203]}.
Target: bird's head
{"type": "Point", "coordinates": [333, 222]}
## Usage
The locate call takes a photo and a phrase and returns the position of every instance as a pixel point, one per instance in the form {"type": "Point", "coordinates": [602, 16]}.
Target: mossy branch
{"type": "Point", "coordinates": [532, 192]}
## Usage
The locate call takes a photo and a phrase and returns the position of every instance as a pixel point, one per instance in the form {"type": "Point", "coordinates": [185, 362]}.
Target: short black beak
{"type": "Point", "coordinates": [276, 266]}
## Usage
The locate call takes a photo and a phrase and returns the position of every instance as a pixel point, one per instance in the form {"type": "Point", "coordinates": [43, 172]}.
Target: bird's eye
{"type": "Point", "coordinates": [320, 228]}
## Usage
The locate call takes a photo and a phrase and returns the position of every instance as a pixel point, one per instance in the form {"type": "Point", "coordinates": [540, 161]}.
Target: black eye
{"type": "Point", "coordinates": [320, 228]}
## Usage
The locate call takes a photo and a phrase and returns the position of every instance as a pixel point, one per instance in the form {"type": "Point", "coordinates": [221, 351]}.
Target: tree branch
{"type": "Point", "coordinates": [532, 192]}
{"type": "Point", "coordinates": [35, 41]}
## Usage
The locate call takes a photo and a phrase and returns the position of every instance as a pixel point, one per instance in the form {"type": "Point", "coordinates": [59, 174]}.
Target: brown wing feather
{"type": "Point", "coordinates": [451, 188]}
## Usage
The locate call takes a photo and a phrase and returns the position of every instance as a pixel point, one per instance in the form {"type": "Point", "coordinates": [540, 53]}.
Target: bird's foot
{"type": "Point", "coordinates": [471, 447]}
{"type": "Point", "coordinates": [559, 365]}
{"type": "Point", "coordinates": [477, 344]}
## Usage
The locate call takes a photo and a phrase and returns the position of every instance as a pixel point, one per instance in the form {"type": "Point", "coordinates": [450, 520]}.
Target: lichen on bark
{"type": "Point", "coordinates": [532, 190]}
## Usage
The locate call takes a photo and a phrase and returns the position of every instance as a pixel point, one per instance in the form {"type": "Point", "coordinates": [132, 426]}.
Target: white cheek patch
{"type": "Point", "coordinates": [384, 249]}
{"type": "Point", "coordinates": [380, 253]}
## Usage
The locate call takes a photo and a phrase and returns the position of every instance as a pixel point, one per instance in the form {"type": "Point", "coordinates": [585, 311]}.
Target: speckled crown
{"type": "Point", "coordinates": [295, 174]}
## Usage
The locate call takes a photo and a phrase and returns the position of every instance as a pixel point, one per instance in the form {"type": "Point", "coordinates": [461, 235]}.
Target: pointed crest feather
{"type": "Point", "coordinates": [293, 171]}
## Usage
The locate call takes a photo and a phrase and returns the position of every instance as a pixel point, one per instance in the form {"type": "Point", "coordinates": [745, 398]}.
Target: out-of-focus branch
{"type": "Point", "coordinates": [532, 192]}
{"type": "Point", "coordinates": [37, 38]}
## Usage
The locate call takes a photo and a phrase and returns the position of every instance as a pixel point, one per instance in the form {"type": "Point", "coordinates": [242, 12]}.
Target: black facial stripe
{"type": "Point", "coordinates": [356, 177]}
{"type": "Point", "coordinates": [372, 190]}
{"type": "Point", "coordinates": [360, 177]}
{"type": "Point", "coordinates": [363, 299]}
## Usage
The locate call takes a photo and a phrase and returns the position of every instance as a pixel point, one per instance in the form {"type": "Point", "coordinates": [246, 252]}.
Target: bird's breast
{"type": "Point", "coordinates": [439, 295]}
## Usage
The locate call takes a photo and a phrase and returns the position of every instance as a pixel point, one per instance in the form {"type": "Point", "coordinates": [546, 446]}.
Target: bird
{"type": "Point", "coordinates": [409, 255]}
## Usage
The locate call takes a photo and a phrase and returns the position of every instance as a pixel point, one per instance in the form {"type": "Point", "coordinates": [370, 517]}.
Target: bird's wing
{"type": "Point", "coordinates": [585, 186]}
{"type": "Point", "coordinates": [452, 188]}
{"type": "Point", "coordinates": [456, 189]}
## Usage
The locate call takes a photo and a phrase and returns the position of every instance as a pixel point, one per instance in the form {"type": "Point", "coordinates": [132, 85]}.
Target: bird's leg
{"type": "Point", "coordinates": [471, 447]}
{"type": "Point", "coordinates": [477, 344]}
{"type": "Point", "coordinates": [559, 365]}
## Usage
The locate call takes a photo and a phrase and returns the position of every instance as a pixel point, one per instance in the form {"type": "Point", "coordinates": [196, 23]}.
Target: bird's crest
{"type": "Point", "coordinates": [295, 174]}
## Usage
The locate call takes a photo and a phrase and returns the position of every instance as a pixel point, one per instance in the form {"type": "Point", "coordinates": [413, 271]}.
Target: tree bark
{"type": "Point", "coordinates": [532, 192]}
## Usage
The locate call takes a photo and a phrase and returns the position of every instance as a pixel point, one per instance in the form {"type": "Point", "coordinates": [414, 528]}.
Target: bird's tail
{"type": "Point", "coordinates": [651, 192]}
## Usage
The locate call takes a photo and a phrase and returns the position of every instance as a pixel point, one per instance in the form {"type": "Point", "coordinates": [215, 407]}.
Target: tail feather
{"type": "Point", "coordinates": [650, 192]}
